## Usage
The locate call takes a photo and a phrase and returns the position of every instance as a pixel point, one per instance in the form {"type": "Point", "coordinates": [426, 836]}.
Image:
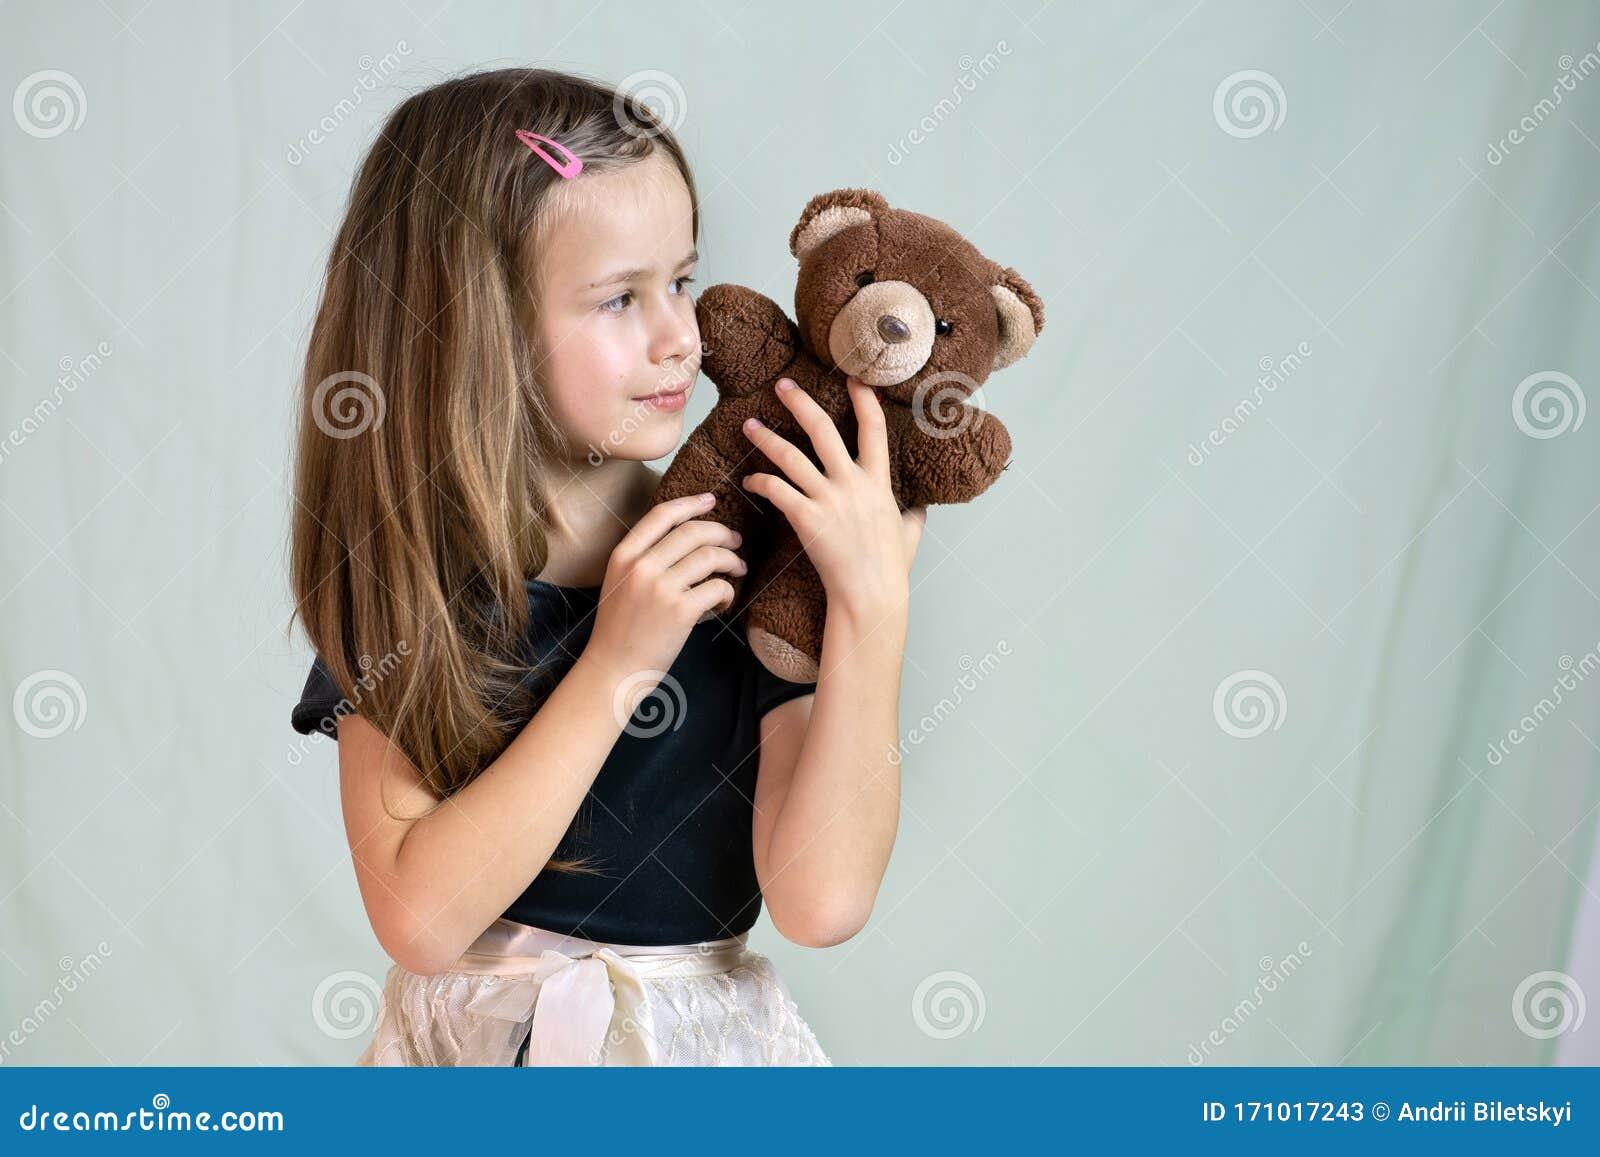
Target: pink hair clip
{"type": "Point", "coordinates": [567, 169]}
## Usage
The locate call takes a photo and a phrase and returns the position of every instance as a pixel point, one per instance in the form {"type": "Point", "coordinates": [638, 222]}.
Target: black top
{"type": "Point", "coordinates": [669, 814]}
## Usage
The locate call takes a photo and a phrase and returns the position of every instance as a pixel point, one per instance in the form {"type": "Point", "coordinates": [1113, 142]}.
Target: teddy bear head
{"type": "Point", "coordinates": [896, 299]}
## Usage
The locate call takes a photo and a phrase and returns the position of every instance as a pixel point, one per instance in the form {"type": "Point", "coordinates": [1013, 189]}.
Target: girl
{"type": "Point", "coordinates": [567, 784]}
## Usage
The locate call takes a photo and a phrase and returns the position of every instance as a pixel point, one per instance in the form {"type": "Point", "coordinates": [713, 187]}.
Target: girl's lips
{"type": "Point", "coordinates": [666, 401]}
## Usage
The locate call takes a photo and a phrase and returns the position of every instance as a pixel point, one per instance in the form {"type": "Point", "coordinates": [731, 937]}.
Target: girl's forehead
{"type": "Point", "coordinates": [640, 215]}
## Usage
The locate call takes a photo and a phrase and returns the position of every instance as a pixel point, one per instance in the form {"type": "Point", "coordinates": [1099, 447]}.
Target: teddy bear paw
{"type": "Point", "coordinates": [782, 658]}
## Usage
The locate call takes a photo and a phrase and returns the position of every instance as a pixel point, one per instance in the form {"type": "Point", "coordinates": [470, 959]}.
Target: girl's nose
{"type": "Point", "coordinates": [678, 339]}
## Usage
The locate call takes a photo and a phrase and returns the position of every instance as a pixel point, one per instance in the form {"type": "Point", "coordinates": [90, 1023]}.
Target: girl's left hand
{"type": "Point", "coordinates": [845, 515]}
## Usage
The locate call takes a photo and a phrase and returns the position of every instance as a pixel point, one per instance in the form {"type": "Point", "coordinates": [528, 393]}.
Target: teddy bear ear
{"type": "Point", "coordinates": [1021, 316]}
{"type": "Point", "coordinates": [830, 213]}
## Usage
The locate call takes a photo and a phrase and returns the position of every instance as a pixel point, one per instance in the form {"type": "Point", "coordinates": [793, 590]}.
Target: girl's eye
{"type": "Point", "coordinates": [620, 302]}
{"type": "Point", "coordinates": [685, 282]}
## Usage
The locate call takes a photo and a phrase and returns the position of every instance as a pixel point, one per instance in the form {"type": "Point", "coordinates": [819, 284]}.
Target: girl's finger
{"type": "Point", "coordinates": [706, 561]}
{"type": "Point", "coordinates": [782, 495]}
{"type": "Point", "coordinates": [713, 596]}
{"type": "Point", "coordinates": [818, 424]}
{"type": "Point", "coordinates": [658, 520]}
{"type": "Point", "coordinates": [912, 520]}
{"type": "Point", "coordinates": [784, 453]}
{"type": "Point", "coordinates": [686, 538]}
{"type": "Point", "coordinates": [872, 436]}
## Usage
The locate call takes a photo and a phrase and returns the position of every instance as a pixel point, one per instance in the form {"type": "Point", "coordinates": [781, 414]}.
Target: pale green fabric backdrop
{"type": "Point", "coordinates": [1097, 862]}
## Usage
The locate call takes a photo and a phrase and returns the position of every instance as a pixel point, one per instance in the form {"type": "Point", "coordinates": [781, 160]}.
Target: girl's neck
{"type": "Point", "coordinates": [591, 508]}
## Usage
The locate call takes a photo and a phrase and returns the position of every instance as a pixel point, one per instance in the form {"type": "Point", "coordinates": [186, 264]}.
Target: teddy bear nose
{"type": "Point", "coordinates": [891, 328]}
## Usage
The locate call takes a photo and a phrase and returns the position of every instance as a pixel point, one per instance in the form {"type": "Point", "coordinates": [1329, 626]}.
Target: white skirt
{"type": "Point", "coordinates": [528, 996]}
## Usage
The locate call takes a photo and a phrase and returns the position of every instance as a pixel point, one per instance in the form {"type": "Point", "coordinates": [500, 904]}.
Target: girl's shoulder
{"type": "Point", "coordinates": [716, 656]}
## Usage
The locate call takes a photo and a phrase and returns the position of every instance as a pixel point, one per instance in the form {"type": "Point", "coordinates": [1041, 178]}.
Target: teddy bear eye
{"type": "Point", "coordinates": [865, 279]}
{"type": "Point", "coordinates": [942, 327]}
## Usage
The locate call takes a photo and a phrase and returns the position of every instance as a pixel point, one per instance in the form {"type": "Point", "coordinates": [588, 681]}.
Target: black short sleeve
{"type": "Point", "coordinates": [772, 690]}
{"type": "Point", "coordinates": [321, 704]}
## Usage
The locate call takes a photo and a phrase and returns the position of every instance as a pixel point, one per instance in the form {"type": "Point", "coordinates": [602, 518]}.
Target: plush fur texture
{"type": "Point", "coordinates": [905, 304]}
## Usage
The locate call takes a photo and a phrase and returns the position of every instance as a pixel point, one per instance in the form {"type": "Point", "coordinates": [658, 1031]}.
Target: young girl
{"type": "Point", "coordinates": [567, 784]}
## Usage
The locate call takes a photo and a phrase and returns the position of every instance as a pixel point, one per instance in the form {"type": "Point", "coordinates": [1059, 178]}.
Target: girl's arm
{"type": "Point", "coordinates": [828, 789]}
{"type": "Point", "coordinates": [431, 885]}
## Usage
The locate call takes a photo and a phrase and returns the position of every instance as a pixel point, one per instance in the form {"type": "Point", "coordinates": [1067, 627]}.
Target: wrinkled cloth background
{"type": "Point", "coordinates": [1201, 701]}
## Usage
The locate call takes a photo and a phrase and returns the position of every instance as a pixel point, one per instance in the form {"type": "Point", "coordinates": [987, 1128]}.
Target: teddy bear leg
{"type": "Point", "coordinates": [787, 609]}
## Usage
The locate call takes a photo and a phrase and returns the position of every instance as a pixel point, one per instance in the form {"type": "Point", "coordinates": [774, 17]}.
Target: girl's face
{"type": "Point", "coordinates": [616, 324]}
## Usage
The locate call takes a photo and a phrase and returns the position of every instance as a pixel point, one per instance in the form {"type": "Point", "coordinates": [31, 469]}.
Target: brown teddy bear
{"type": "Point", "coordinates": [903, 303]}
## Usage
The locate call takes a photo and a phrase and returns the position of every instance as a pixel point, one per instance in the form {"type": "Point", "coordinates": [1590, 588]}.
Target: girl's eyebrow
{"type": "Point", "coordinates": [622, 275]}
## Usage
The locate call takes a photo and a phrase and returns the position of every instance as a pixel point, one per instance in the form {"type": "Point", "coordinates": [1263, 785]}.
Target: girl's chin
{"type": "Point", "coordinates": [655, 438]}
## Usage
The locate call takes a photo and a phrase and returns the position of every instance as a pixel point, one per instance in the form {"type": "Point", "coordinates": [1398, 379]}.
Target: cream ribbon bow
{"type": "Point", "coordinates": [575, 1005]}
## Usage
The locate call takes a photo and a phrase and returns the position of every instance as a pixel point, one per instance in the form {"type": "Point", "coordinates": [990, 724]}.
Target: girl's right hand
{"type": "Point", "coordinates": [661, 581]}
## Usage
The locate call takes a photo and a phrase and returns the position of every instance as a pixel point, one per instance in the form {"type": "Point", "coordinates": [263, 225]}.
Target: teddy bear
{"type": "Point", "coordinates": [904, 304]}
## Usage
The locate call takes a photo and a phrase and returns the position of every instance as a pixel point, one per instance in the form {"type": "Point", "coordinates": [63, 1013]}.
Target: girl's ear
{"type": "Point", "coordinates": [1021, 316]}
{"type": "Point", "coordinates": [830, 213]}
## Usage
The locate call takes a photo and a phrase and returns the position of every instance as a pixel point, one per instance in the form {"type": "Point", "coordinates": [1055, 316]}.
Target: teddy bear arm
{"type": "Point", "coordinates": [748, 338]}
{"type": "Point", "coordinates": [945, 471]}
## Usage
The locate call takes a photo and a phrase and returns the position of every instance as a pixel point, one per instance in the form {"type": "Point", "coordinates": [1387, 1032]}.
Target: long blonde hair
{"type": "Point", "coordinates": [419, 482]}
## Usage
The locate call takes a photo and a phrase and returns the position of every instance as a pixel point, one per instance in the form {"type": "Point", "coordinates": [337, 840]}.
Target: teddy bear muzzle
{"type": "Point", "coordinates": [884, 334]}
